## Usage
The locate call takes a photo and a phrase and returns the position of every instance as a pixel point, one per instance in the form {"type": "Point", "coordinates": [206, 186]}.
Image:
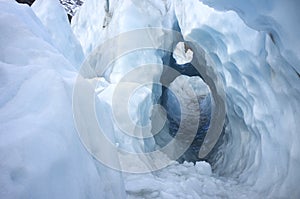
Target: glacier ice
{"type": "Point", "coordinates": [41, 154]}
{"type": "Point", "coordinates": [252, 46]}
{"type": "Point", "coordinates": [71, 6]}
{"type": "Point", "coordinates": [258, 95]}
{"type": "Point", "coordinates": [181, 106]}
{"type": "Point", "coordinates": [244, 56]}
{"type": "Point", "coordinates": [54, 18]}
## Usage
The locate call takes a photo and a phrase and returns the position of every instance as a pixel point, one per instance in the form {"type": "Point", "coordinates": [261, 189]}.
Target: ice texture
{"type": "Point", "coordinates": [278, 19]}
{"type": "Point", "coordinates": [260, 84]}
{"type": "Point", "coordinates": [184, 181]}
{"type": "Point", "coordinates": [252, 45]}
{"type": "Point", "coordinates": [40, 151]}
{"type": "Point", "coordinates": [54, 18]}
{"type": "Point", "coordinates": [262, 88]}
{"type": "Point", "coordinates": [124, 16]}
{"type": "Point", "coordinates": [186, 98]}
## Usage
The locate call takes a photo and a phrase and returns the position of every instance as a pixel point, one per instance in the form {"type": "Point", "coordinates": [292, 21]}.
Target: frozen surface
{"type": "Point", "coordinates": [253, 46]}
{"type": "Point", "coordinates": [123, 16]}
{"type": "Point", "coordinates": [276, 18]}
{"type": "Point", "coordinates": [41, 154]}
{"type": "Point", "coordinates": [54, 18]}
{"type": "Point", "coordinates": [262, 92]}
{"type": "Point", "coordinates": [92, 25]}
{"type": "Point", "coordinates": [260, 85]}
{"type": "Point", "coordinates": [184, 181]}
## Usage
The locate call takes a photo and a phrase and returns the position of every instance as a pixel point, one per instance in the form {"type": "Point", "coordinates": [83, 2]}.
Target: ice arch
{"type": "Point", "coordinates": [256, 59]}
{"type": "Point", "coordinates": [181, 88]}
{"type": "Point", "coordinates": [257, 73]}
{"type": "Point", "coordinates": [106, 63]}
{"type": "Point", "coordinates": [251, 64]}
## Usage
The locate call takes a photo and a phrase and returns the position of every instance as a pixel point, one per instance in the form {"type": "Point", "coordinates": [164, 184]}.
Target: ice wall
{"type": "Point", "coordinates": [94, 25]}
{"type": "Point", "coordinates": [181, 105]}
{"type": "Point", "coordinates": [54, 18]}
{"type": "Point", "coordinates": [253, 53]}
{"type": "Point", "coordinates": [40, 151]}
{"type": "Point", "coordinates": [253, 48]}
{"type": "Point", "coordinates": [262, 88]}
{"type": "Point", "coordinates": [276, 18]}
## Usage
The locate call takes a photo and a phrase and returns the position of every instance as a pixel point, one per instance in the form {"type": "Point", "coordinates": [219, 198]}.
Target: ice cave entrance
{"type": "Point", "coordinates": [186, 97]}
{"type": "Point", "coordinates": [192, 98]}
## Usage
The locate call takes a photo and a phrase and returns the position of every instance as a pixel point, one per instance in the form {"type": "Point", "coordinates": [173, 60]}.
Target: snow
{"type": "Point", "coordinates": [183, 181]}
{"type": "Point", "coordinates": [258, 94]}
{"type": "Point", "coordinates": [41, 154]}
{"type": "Point", "coordinates": [54, 18]}
{"type": "Point", "coordinates": [125, 16]}
{"type": "Point", "coordinates": [88, 23]}
{"type": "Point", "coordinates": [251, 46]}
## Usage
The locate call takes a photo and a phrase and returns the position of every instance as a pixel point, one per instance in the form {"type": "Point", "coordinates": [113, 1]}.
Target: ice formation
{"type": "Point", "coordinates": [253, 47]}
{"type": "Point", "coordinates": [41, 154]}
{"type": "Point", "coordinates": [54, 18]}
{"type": "Point", "coordinates": [181, 106]}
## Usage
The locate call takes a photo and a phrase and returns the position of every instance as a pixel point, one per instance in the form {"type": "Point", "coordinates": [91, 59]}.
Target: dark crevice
{"type": "Point", "coordinates": [29, 2]}
{"type": "Point", "coordinates": [191, 154]}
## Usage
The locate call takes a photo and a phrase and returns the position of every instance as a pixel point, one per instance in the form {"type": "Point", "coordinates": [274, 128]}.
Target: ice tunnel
{"type": "Point", "coordinates": [150, 99]}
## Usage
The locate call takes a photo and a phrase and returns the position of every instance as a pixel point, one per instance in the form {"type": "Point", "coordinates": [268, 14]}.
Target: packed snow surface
{"type": "Point", "coordinates": [252, 46]}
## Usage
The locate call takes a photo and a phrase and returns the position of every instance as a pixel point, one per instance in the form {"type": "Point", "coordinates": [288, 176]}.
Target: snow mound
{"type": "Point", "coordinates": [41, 154]}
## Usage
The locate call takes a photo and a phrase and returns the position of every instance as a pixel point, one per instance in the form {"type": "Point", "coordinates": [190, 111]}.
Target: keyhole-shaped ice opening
{"type": "Point", "coordinates": [182, 53]}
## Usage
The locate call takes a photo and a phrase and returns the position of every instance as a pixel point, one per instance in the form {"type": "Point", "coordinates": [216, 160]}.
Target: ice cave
{"type": "Point", "coordinates": [109, 99]}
